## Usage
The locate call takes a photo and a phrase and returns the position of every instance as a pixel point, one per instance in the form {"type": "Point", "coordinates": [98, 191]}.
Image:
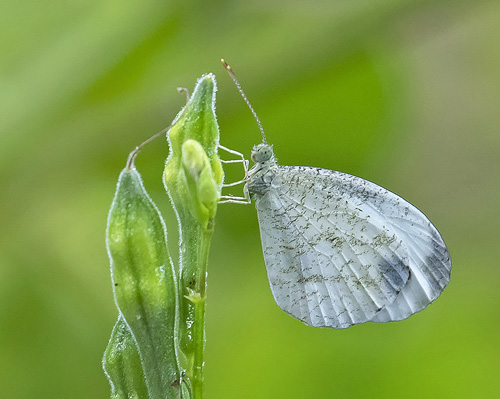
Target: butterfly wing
{"type": "Point", "coordinates": [340, 250]}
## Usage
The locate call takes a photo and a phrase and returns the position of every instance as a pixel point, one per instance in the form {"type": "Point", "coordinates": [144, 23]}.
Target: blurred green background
{"type": "Point", "coordinates": [405, 93]}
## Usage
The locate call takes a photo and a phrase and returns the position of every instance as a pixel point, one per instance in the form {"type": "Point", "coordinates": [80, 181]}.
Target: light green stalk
{"type": "Point", "coordinates": [193, 178]}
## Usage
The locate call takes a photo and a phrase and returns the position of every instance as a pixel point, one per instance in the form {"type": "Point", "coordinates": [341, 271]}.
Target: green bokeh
{"type": "Point", "coordinates": [405, 93]}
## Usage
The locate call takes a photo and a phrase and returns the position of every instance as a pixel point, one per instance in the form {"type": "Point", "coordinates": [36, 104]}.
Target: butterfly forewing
{"type": "Point", "coordinates": [340, 250]}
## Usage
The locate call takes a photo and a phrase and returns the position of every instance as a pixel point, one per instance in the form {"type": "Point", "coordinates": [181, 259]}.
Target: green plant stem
{"type": "Point", "coordinates": [195, 251]}
{"type": "Point", "coordinates": [199, 320]}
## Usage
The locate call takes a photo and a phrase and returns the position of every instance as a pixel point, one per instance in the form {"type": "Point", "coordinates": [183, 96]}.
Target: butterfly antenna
{"type": "Point", "coordinates": [235, 80]}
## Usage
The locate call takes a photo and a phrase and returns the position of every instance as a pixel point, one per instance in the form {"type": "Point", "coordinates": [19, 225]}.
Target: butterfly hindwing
{"type": "Point", "coordinates": [340, 250]}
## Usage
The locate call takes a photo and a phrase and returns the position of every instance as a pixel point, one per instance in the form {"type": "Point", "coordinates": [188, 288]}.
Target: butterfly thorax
{"type": "Point", "coordinates": [262, 173]}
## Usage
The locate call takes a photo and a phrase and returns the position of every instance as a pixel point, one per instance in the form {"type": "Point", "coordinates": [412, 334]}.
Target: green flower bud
{"type": "Point", "coordinates": [144, 282]}
{"type": "Point", "coordinates": [202, 191]}
{"type": "Point", "coordinates": [193, 179]}
{"type": "Point", "coordinates": [122, 365]}
{"type": "Point", "coordinates": [193, 172]}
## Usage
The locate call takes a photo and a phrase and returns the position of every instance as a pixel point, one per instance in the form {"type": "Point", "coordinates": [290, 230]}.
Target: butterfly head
{"type": "Point", "coordinates": [262, 153]}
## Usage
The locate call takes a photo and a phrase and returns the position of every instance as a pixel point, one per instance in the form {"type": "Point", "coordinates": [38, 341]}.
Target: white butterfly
{"type": "Point", "coordinates": [340, 250]}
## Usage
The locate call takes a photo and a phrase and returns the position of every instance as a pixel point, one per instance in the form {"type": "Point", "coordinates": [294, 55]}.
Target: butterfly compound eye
{"type": "Point", "coordinates": [262, 153]}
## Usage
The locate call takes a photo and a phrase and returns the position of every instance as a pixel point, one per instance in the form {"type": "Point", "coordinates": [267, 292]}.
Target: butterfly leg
{"type": "Point", "coordinates": [243, 161]}
{"type": "Point", "coordinates": [245, 167]}
{"type": "Point", "coordinates": [231, 199]}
